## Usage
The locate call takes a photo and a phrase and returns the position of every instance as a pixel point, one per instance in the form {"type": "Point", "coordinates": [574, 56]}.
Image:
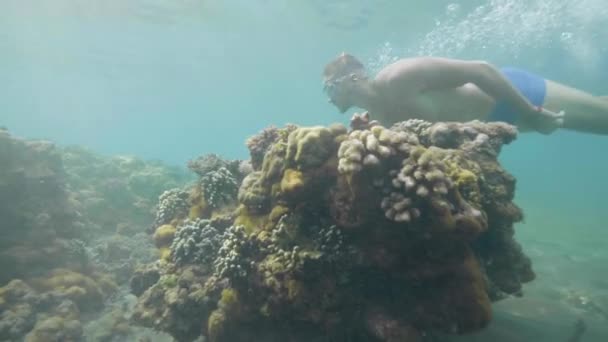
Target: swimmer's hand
{"type": "Point", "coordinates": [544, 120]}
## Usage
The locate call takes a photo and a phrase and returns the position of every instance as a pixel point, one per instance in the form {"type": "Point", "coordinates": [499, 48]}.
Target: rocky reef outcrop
{"type": "Point", "coordinates": [367, 234]}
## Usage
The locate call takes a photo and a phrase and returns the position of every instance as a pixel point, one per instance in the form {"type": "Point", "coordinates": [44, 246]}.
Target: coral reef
{"type": "Point", "coordinates": [196, 242]}
{"type": "Point", "coordinates": [261, 142]}
{"type": "Point", "coordinates": [172, 204]}
{"type": "Point", "coordinates": [373, 234]}
{"type": "Point", "coordinates": [72, 230]}
{"type": "Point", "coordinates": [117, 193]}
{"type": "Point", "coordinates": [220, 187]}
{"type": "Point", "coordinates": [182, 221]}
{"type": "Point", "coordinates": [120, 255]}
{"type": "Point", "coordinates": [113, 324]}
{"type": "Point", "coordinates": [37, 217]}
{"type": "Point", "coordinates": [86, 291]}
{"type": "Point", "coordinates": [55, 315]}
{"type": "Point", "coordinates": [218, 183]}
{"type": "Point", "coordinates": [212, 162]}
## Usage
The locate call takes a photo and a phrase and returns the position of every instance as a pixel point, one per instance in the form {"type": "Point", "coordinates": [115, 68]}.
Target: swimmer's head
{"type": "Point", "coordinates": [341, 78]}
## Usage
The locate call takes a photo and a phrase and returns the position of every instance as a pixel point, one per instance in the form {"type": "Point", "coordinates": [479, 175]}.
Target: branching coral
{"type": "Point", "coordinates": [367, 148]}
{"type": "Point", "coordinates": [421, 183]}
{"type": "Point", "coordinates": [220, 187]}
{"type": "Point", "coordinates": [210, 162]}
{"type": "Point", "coordinates": [259, 144]}
{"type": "Point", "coordinates": [196, 242]}
{"type": "Point", "coordinates": [172, 204]}
{"type": "Point", "coordinates": [233, 256]}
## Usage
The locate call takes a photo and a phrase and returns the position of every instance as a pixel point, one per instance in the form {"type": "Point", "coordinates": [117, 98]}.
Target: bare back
{"type": "Point", "coordinates": [404, 94]}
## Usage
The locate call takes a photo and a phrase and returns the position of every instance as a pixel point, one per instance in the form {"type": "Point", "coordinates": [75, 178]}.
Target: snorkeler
{"type": "Point", "coordinates": [441, 89]}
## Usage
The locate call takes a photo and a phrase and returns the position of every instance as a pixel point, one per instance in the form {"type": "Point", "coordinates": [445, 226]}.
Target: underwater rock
{"type": "Point", "coordinates": [375, 234]}
{"type": "Point", "coordinates": [143, 278]}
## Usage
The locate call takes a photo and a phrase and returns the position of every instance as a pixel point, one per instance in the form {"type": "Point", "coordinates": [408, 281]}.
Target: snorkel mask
{"type": "Point", "coordinates": [331, 86]}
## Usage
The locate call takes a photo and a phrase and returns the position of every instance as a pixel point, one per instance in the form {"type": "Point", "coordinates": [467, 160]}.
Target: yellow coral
{"type": "Point", "coordinates": [465, 177]}
{"type": "Point", "coordinates": [50, 328]}
{"type": "Point", "coordinates": [216, 324]}
{"type": "Point", "coordinates": [293, 180]}
{"type": "Point", "coordinates": [466, 180]}
{"type": "Point", "coordinates": [462, 177]}
{"type": "Point", "coordinates": [105, 282]}
{"type": "Point", "coordinates": [195, 212]}
{"type": "Point", "coordinates": [229, 300]}
{"type": "Point", "coordinates": [199, 208]}
{"type": "Point", "coordinates": [163, 236]}
{"type": "Point", "coordinates": [276, 213]}
{"type": "Point", "coordinates": [75, 292]}
{"type": "Point", "coordinates": [83, 290]}
{"type": "Point", "coordinates": [165, 253]}
{"type": "Point", "coordinates": [309, 147]}
{"type": "Point", "coordinates": [221, 212]}
{"type": "Point", "coordinates": [252, 223]}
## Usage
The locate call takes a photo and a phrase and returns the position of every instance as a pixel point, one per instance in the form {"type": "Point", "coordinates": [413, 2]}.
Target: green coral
{"type": "Point", "coordinates": [168, 280]}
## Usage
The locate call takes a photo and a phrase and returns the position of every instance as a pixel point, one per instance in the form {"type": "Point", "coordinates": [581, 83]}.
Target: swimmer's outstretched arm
{"type": "Point", "coordinates": [433, 73]}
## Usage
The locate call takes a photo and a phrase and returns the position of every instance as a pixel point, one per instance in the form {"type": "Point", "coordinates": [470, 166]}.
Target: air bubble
{"type": "Point", "coordinates": [566, 36]}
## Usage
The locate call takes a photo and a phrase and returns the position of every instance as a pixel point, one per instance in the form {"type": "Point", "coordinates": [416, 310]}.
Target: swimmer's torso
{"type": "Point", "coordinates": [400, 99]}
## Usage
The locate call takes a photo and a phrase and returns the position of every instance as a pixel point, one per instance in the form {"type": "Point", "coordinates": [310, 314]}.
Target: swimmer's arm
{"type": "Point", "coordinates": [439, 73]}
{"type": "Point", "coordinates": [432, 73]}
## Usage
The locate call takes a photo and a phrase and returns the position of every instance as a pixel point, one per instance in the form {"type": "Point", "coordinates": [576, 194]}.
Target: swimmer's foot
{"type": "Point", "coordinates": [361, 121]}
{"type": "Point", "coordinates": [546, 121]}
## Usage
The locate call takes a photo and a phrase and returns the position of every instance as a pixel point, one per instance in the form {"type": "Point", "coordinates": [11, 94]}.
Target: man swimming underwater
{"type": "Point", "coordinates": [441, 89]}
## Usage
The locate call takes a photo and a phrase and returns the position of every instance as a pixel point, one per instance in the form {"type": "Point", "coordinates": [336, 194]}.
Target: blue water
{"type": "Point", "coordinates": [170, 80]}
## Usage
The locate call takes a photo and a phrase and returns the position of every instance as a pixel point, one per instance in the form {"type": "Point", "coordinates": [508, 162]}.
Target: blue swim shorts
{"type": "Point", "coordinates": [532, 86]}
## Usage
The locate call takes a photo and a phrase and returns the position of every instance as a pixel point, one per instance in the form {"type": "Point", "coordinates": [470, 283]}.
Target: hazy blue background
{"type": "Point", "coordinates": [172, 79]}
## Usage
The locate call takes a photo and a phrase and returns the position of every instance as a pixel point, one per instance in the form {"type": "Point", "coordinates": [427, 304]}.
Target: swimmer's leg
{"type": "Point", "coordinates": [583, 111]}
